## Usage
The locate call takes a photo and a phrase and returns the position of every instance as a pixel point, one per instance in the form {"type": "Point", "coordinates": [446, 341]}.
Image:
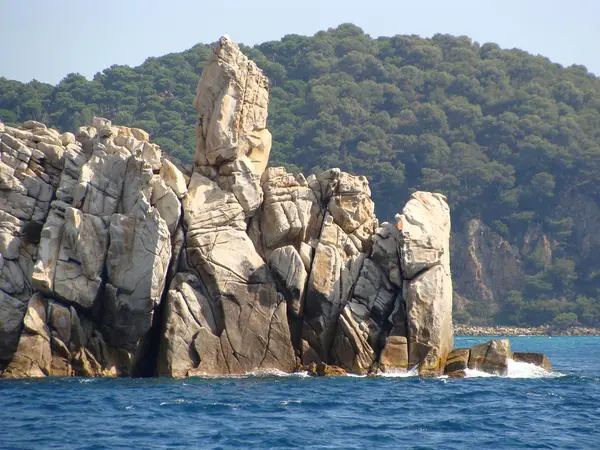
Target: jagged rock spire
{"type": "Point", "coordinates": [115, 263]}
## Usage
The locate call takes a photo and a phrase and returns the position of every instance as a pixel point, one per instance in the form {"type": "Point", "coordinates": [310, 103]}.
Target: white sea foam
{"type": "Point", "coordinates": [177, 401]}
{"type": "Point", "coordinates": [399, 374]}
{"type": "Point", "coordinates": [474, 373]}
{"type": "Point", "coordinates": [255, 373]}
{"type": "Point", "coordinates": [276, 373]}
{"type": "Point", "coordinates": [287, 402]}
{"type": "Point", "coordinates": [516, 369]}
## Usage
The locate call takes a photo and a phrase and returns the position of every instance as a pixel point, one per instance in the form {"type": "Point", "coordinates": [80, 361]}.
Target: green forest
{"type": "Point", "coordinates": [509, 137]}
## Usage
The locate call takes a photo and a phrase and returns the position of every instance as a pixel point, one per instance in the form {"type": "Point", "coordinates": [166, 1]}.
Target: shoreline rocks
{"type": "Point", "coordinates": [115, 262]}
{"type": "Point", "coordinates": [499, 330]}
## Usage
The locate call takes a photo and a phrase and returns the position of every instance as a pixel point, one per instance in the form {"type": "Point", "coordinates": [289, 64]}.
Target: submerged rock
{"type": "Point", "coordinates": [491, 357]}
{"type": "Point", "coordinates": [323, 370]}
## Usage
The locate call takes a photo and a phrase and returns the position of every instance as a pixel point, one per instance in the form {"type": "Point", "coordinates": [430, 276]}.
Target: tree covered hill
{"type": "Point", "coordinates": [512, 139]}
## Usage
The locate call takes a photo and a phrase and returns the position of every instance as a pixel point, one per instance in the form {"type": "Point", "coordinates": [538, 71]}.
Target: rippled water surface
{"type": "Point", "coordinates": [533, 410]}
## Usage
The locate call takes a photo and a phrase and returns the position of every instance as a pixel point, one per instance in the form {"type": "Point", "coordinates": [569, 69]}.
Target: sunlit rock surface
{"type": "Point", "coordinates": [114, 262]}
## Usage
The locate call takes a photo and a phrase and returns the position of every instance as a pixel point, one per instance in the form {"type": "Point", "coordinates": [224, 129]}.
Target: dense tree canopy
{"type": "Point", "coordinates": [506, 135]}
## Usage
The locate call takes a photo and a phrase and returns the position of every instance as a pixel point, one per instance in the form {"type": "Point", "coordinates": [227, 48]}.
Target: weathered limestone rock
{"type": "Point", "coordinates": [324, 370]}
{"type": "Point", "coordinates": [12, 312]}
{"type": "Point", "coordinates": [477, 355]}
{"type": "Point", "coordinates": [286, 209]}
{"type": "Point", "coordinates": [72, 254]}
{"type": "Point", "coordinates": [100, 185]}
{"type": "Point", "coordinates": [33, 356]}
{"type": "Point", "coordinates": [386, 252]}
{"type": "Point", "coordinates": [101, 181]}
{"type": "Point", "coordinates": [187, 312]}
{"type": "Point", "coordinates": [166, 202]}
{"type": "Point", "coordinates": [429, 307]}
{"type": "Point", "coordinates": [352, 208]}
{"type": "Point", "coordinates": [497, 356]}
{"type": "Point", "coordinates": [491, 357]}
{"type": "Point", "coordinates": [173, 178]}
{"type": "Point", "coordinates": [136, 264]}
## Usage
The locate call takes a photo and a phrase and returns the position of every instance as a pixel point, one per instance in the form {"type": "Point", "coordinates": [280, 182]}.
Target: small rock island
{"type": "Point", "coordinates": [114, 261]}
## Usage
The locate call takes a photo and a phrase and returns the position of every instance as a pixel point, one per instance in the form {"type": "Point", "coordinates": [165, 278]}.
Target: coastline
{"type": "Point", "coordinates": [502, 330]}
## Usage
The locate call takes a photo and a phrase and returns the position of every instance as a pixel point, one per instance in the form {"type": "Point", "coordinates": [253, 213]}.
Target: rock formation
{"type": "Point", "coordinates": [491, 357]}
{"type": "Point", "coordinates": [85, 249]}
{"type": "Point", "coordinates": [115, 263]}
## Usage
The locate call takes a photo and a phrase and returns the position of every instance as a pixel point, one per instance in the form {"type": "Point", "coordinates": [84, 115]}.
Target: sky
{"type": "Point", "coordinates": [48, 39]}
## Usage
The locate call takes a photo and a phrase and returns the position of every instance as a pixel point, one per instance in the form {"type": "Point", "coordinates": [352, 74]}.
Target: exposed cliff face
{"type": "Point", "coordinates": [113, 262]}
{"type": "Point", "coordinates": [584, 208]}
{"type": "Point", "coordinates": [486, 267]}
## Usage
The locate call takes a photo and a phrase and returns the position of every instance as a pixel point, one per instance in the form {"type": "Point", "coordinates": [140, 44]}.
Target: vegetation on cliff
{"type": "Point", "coordinates": [512, 139]}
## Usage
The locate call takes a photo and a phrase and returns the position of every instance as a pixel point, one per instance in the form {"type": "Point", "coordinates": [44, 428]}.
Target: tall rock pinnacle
{"type": "Point", "coordinates": [115, 263]}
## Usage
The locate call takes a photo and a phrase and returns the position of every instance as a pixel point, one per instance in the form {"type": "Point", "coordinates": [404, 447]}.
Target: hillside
{"type": "Point", "coordinates": [512, 139]}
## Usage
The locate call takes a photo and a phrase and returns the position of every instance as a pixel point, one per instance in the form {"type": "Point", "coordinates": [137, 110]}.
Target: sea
{"type": "Point", "coordinates": [528, 408]}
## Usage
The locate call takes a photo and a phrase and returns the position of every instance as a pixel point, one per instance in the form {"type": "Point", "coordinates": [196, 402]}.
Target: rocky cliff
{"type": "Point", "coordinates": [113, 262]}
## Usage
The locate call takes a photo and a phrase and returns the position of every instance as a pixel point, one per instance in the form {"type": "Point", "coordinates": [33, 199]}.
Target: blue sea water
{"type": "Point", "coordinates": [527, 409]}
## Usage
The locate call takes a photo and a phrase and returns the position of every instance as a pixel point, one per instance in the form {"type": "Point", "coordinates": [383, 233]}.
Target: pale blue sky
{"type": "Point", "coordinates": [47, 39]}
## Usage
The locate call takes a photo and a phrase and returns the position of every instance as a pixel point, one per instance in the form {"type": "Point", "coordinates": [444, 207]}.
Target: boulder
{"type": "Point", "coordinates": [491, 357]}
{"type": "Point", "coordinates": [323, 370]}
{"type": "Point", "coordinates": [457, 362]}
{"type": "Point", "coordinates": [538, 359]}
